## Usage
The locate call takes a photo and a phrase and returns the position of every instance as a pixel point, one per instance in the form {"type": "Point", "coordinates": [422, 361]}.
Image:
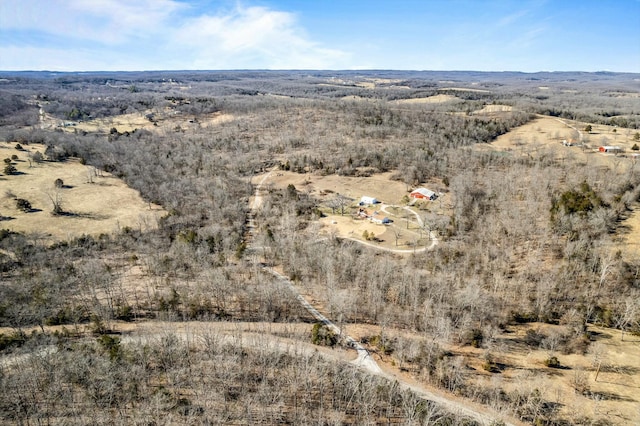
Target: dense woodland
{"type": "Point", "coordinates": [529, 240]}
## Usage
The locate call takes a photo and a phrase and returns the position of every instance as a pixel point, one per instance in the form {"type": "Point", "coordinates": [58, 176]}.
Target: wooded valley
{"type": "Point", "coordinates": [537, 248]}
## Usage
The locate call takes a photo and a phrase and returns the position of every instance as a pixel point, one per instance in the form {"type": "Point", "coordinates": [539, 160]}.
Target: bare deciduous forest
{"type": "Point", "coordinates": [529, 254]}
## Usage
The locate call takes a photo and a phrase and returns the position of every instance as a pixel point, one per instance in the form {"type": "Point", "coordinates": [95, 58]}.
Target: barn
{"type": "Point", "coordinates": [424, 193]}
{"type": "Point", "coordinates": [611, 149]}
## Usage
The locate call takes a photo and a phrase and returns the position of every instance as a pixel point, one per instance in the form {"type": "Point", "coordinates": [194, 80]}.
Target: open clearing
{"type": "Point", "coordinates": [435, 99]}
{"type": "Point", "coordinates": [380, 186]}
{"type": "Point", "coordinates": [549, 132]}
{"type": "Point", "coordinates": [103, 206]}
{"type": "Point", "coordinates": [169, 120]}
{"type": "Point", "coordinates": [491, 109]}
{"type": "Point", "coordinates": [122, 123]}
{"type": "Point", "coordinates": [389, 192]}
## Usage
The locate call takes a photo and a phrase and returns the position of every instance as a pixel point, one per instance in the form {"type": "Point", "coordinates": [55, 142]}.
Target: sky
{"type": "Point", "coordinates": [480, 35]}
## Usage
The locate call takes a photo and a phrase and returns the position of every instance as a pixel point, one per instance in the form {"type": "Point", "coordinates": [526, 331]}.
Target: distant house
{"type": "Point", "coordinates": [424, 193]}
{"type": "Point", "coordinates": [380, 220]}
{"type": "Point", "coordinates": [368, 200]}
{"type": "Point", "coordinates": [363, 213]}
{"type": "Point", "coordinates": [610, 149]}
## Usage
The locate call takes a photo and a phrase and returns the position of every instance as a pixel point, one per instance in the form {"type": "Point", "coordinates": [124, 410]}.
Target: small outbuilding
{"type": "Point", "coordinates": [364, 201]}
{"type": "Point", "coordinates": [424, 193]}
{"type": "Point", "coordinates": [610, 149]}
{"type": "Point", "coordinates": [380, 220]}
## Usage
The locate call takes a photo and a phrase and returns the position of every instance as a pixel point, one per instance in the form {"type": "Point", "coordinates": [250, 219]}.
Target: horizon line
{"type": "Point", "coordinates": [316, 70]}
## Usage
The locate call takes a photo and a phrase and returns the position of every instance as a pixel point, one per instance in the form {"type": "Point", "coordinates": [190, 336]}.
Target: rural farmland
{"type": "Point", "coordinates": [277, 247]}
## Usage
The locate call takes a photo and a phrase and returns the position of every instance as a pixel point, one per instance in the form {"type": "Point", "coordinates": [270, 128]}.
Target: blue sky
{"type": "Point", "coordinates": [483, 35]}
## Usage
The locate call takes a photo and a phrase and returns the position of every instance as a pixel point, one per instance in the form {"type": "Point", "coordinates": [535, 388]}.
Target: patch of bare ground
{"type": "Point", "coordinates": [122, 123]}
{"type": "Point", "coordinates": [493, 109]}
{"type": "Point", "coordinates": [388, 82]}
{"type": "Point", "coordinates": [436, 99]}
{"type": "Point", "coordinates": [168, 120]}
{"type": "Point", "coordinates": [92, 202]}
{"type": "Point", "coordinates": [614, 396]}
{"type": "Point", "coordinates": [366, 84]}
{"type": "Point", "coordinates": [215, 119]}
{"type": "Point", "coordinates": [630, 242]}
{"type": "Point", "coordinates": [380, 186]}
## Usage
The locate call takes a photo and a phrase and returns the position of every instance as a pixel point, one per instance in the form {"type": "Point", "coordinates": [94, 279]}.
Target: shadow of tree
{"type": "Point", "coordinates": [92, 216]}
{"type": "Point", "coordinates": [608, 396]}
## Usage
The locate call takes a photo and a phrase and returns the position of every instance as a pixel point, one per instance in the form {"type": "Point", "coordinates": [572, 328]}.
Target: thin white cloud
{"type": "Point", "coordinates": [529, 37]}
{"type": "Point", "coordinates": [510, 19]}
{"type": "Point", "coordinates": [255, 37]}
{"type": "Point", "coordinates": [126, 18]}
{"type": "Point", "coordinates": [154, 34]}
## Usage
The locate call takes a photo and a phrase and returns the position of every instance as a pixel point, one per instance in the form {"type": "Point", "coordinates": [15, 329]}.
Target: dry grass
{"type": "Point", "coordinates": [380, 186]}
{"type": "Point", "coordinates": [436, 99]}
{"type": "Point", "coordinates": [103, 206]}
{"type": "Point", "coordinates": [549, 132]}
{"type": "Point", "coordinates": [169, 120]}
{"type": "Point", "coordinates": [614, 396]}
{"type": "Point", "coordinates": [357, 98]}
{"type": "Point", "coordinates": [122, 123]}
{"type": "Point", "coordinates": [630, 244]}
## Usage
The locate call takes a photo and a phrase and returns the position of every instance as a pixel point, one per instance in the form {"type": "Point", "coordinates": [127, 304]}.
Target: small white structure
{"type": "Point", "coordinates": [368, 200]}
{"type": "Point", "coordinates": [380, 220]}
{"type": "Point", "coordinates": [424, 193]}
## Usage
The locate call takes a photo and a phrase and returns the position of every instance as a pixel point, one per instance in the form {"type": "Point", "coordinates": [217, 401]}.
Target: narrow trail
{"type": "Point", "coordinates": [364, 357]}
{"type": "Point", "coordinates": [580, 136]}
{"type": "Point", "coordinates": [456, 406]}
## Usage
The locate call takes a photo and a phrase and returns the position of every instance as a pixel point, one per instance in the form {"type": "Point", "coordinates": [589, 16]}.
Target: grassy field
{"type": "Point", "coordinates": [93, 203]}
